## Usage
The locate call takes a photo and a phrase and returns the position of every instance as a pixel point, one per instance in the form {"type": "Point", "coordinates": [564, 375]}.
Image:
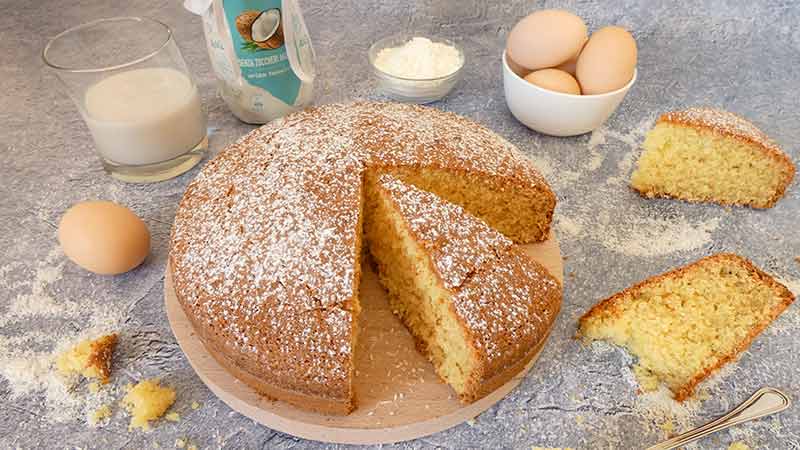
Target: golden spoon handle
{"type": "Point", "coordinates": [764, 402]}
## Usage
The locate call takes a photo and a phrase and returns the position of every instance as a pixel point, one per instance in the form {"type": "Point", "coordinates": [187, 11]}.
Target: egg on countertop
{"type": "Point", "coordinates": [554, 80]}
{"type": "Point", "coordinates": [103, 237]}
{"type": "Point", "coordinates": [607, 62]}
{"type": "Point", "coordinates": [546, 38]}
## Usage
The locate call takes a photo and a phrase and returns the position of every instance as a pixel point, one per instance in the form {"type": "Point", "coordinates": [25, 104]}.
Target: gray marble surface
{"type": "Point", "coordinates": [742, 56]}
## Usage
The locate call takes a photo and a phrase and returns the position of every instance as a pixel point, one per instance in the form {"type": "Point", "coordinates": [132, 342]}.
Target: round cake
{"type": "Point", "coordinates": [267, 240]}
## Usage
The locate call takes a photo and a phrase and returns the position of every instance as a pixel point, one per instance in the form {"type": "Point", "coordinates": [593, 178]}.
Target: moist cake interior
{"type": "Point", "coordinates": [685, 324]}
{"type": "Point", "coordinates": [510, 213]}
{"type": "Point", "coordinates": [419, 288]}
{"type": "Point", "coordinates": [415, 294]}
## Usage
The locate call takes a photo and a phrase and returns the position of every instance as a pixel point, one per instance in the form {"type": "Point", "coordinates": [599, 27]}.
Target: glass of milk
{"type": "Point", "coordinates": [131, 85]}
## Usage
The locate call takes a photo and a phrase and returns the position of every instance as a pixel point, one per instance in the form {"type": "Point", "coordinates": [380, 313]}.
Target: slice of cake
{"type": "Point", "coordinates": [707, 155]}
{"type": "Point", "coordinates": [687, 323]}
{"type": "Point", "coordinates": [90, 358]}
{"type": "Point", "coordinates": [147, 400]}
{"type": "Point", "coordinates": [478, 307]}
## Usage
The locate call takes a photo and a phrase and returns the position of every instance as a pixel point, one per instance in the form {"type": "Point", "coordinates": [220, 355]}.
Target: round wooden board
{"type": "Point", "coordinates": [399, 395]}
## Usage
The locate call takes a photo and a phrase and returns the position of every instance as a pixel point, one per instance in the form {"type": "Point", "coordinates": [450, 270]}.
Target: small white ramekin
{"type": "Point", "coordinates": [556, 113]}
{"type": "Point", "coordinates": [413, 90]}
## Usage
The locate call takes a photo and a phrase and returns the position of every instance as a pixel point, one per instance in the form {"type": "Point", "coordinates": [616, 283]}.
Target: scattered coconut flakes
{"type": "Point", "coordinates": [596, 157]}
{"type": "Point", "coordinates": [623, 226]}
{"type": "Point", "coordinates": [653, 237]}
{"type": "Point", "coordinates": [30, 372]}
{"type": "Point", "coordinates": [567, 226]}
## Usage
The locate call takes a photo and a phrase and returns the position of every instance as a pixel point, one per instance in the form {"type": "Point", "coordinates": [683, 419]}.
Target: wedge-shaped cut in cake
{"type": "Point", "coordinates": [478, 307]}
{"type": "Point", "coordinates": [685, 324]}
{"type": "Point", "coordinates": [707, 155]}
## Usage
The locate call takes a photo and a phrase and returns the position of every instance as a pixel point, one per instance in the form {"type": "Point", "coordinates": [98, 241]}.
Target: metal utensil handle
{"type": "Point", "coordinates": [764, 402]}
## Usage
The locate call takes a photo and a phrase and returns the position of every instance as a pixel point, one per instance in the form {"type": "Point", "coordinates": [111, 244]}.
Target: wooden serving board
{"type": "Point", "coordinates": [398, 393]}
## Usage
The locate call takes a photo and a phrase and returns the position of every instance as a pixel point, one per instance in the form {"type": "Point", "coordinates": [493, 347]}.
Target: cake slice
{"type": "Point", "coordinates": [478, 307]}
{"type": "Point", "coordinates": [685, 324]}
{"type": "Point", "coordinates": [708, 155]}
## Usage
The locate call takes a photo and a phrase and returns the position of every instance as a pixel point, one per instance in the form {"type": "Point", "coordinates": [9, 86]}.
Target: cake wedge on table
{"type": "Point", "coordinates": [687, 323]}
{"type": "Point", "coordinates": [477, 306]}
{"type": "Point", "coordinates": [709, 155]}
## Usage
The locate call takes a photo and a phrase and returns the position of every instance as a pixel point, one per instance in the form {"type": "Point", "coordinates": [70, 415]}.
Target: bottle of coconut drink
{"type": "Point", "coordinates": [261, 54]}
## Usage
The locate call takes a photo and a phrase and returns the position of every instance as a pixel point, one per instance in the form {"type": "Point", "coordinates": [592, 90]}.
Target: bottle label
{"type": "Point", "coordinates": [258, 36]}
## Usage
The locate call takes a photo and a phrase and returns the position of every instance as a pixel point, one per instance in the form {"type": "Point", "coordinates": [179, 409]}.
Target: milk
{"type": "Point", "coordinates": [144, 116]}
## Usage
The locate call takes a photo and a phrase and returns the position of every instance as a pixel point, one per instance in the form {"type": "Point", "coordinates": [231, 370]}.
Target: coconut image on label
{"type": "Point", "coordinates": [260, 29]}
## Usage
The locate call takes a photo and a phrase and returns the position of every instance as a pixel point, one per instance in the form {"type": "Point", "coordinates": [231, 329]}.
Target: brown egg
{"type": "Point", "coordinates": [607, 62]}
{"type": "Point", "coordinates": [103, 237]}
{"type": "Point", "coordinates": [570, 64]}
{"type": "Point", "coordinates": [516, 68]}
{"type": "Point", "coordinates": [554, 80]}
{"type": "Point", "coordinates": [546, 38]}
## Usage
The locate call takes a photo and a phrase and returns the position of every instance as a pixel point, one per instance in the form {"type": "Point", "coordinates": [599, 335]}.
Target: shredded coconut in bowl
{"type": "Point", "coordinates": [420, 59]}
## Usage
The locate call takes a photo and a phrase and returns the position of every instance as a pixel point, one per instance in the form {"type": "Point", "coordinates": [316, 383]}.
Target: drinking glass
{"type": "Point", "coordinates": [130, 84]}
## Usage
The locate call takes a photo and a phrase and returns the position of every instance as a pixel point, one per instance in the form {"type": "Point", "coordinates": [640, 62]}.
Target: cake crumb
{"type": "Point", "coordinates": [90, 358]}
{"type": "Point", "coordinates": [738, 445]}
{"type": "Point", "coordinates": [173, 417]}
{"type": "Point", "coordinates": [100, 414]}
{"type": "Point", "coordinates": [180, 443]}
{"type": "Point", "coordinates": [195, 405]}
{"type": "Point", "coordinates": [147, 401]}
{"type": "Point", "coordinates": [668, 426]}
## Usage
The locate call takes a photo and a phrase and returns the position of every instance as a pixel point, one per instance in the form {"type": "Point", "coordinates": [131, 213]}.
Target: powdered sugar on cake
{"type": "Point", "coordinates": [500, 294]}
{"type": "Point", "coordinates": [265, 243]}
{"type": "Point", "coordinates": [722, 122]}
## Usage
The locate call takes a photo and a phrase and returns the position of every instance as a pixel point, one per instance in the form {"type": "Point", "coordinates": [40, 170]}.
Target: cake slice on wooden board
{"type": "Point", "coordinates": [687, 323]}
{"type": "Point", "coordinates": [478, 307]}
{"type": "Point", "coordinates": [709, 155]}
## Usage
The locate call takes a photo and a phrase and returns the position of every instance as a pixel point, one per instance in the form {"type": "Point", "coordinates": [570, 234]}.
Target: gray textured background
{"type": "Point", "coordinates": [743, 56]}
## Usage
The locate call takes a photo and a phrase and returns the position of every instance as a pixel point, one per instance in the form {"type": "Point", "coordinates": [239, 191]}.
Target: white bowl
{"type": "Point", "coordinates": [556, 113]}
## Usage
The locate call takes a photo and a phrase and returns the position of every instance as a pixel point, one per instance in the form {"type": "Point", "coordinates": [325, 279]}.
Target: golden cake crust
{"type": "Point", "coordinates": [734, 126]}
{"type": "Point", "coordinates": [505, 301]}
{"type": "Point", "coordinates": [266, 240]}
{"type": "Point", "coordinates": [608, 307]}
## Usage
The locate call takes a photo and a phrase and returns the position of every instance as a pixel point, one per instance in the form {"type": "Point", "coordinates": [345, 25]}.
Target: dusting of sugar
{"type": "Point", "coordinates": [283, 206]}
{"type": "Point", "coordinates": [624, 225]}
{"type": "Point", "coordinates": [648, 237]}
{"type": "Point", "coordinates": [500, 295]}
{"type": "Point", "coordinates": [723, 122]}
{"type": "Point", "coordinates": [27, 355]}
{"type": "Point", "coordinates": [596, 157]}
{"type": "Point", "coordinates": [568, 226]}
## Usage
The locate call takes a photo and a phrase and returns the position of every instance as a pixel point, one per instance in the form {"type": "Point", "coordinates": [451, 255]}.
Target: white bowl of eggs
{"type": "Point", "coordinates": [561, 82]}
